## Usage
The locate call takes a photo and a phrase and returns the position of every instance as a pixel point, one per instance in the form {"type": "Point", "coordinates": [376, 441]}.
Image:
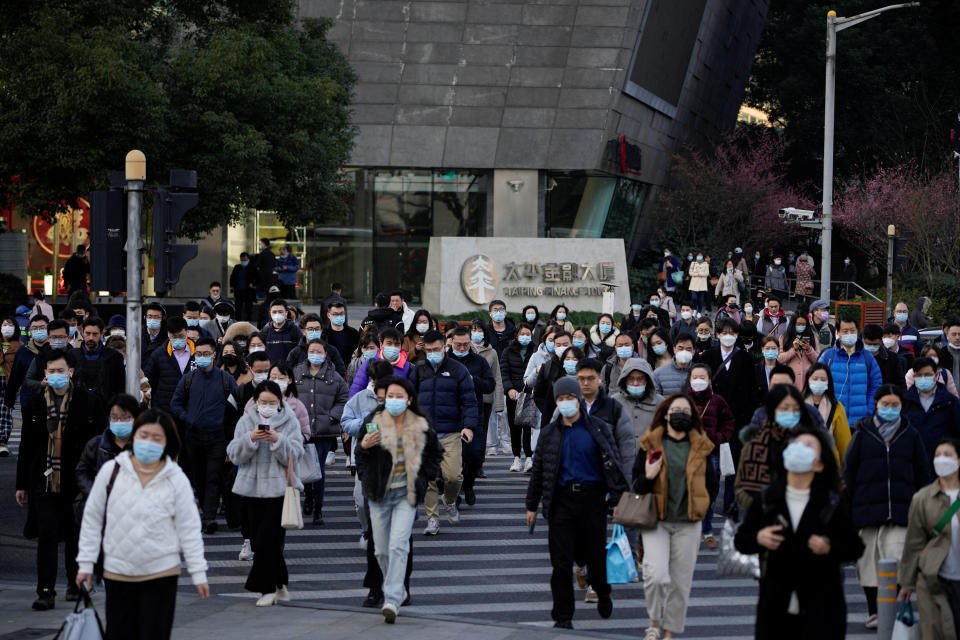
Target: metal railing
{"type": "Point", "coordinates": [758, 285]}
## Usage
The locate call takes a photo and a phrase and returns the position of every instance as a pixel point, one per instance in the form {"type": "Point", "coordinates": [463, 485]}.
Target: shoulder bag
{"type": "Point", "coordinates": [291, 516]}
{"type": "Point", "coordinates": [636, 511]}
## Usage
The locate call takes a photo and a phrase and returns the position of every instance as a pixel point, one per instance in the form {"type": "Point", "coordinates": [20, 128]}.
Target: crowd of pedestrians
{"type": "Point", "coordinates": [833, 433]}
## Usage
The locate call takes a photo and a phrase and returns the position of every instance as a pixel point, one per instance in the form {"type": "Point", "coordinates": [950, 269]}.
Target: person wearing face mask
{"type": "Point", "coordinates": [733, 372]}
{"type": "Point", "coordinates": [223, 319]}
{"type": "Point", "coordinates": [625, 347]}
{"type": "Point", "coordinates": [191, 313]}
{"type": "Point", "coordinates": [943, 376]}
{"type": "Point", "coordinates": [776, 276]}
{"type": "Point", "coordinates": [551, 371]}
{"type": "Point", "coordinates": [669, 264]}
{"type": "Point", "coordinates": [500, 329]}
{"type": "Point", "coordinates": [544, 352]}
{"type": "Point", "coordinates": [153, 335]}
{"type": "Point", "coordinates": [280, 335]}
{"type": "Point", "coordinates": [718, 425]}
{"type": "Point", "coordinates": [100, 368]}
{"type": "Point", "coordinates": [397, 458]}
{"type": "Point", "coordinates": [445, 390]}
{"type": "Point", "coordinates": [730, 284]}
{"type": "Point", "coordinates": [930, 564]}
{"type": "Point", "coordinates": [512, 366]}
{"type": "Point", "coordinates": [233, 363]}
{"type": "Point", "coordinates": [685, 324]}
{"type": "Point", "coordinates": [413, 340]}
{"type": "Point", "coordinates": [311, 328]}
{"type": "Point", "coordinates": [496, 433]}
{"type": "Point", "coordinates": [848, 274]}
{"type": "Point", "coordinates": [603, 336]}
{"type": "Point", "coordinates": [339, 334]}
{"type": "Point", "coordinates": [660, 349]}
{"type": "Point", "coordinates": [530, 315]}
{"type": "Point", "coordinates": [699, 271]}
{"type": "Point", "coordinates": [636, 391]}
{"type": "Point", "coordinates": [672, 463]}
{"type": "Point", "coordinates": [122, 410]}
{"type": "Point", "coordinates": [61, 420]}
{"type": "Point", "coordinates": [22, 359]}
{"type": "Point", "coordinates": [891, 342]}
{"type": "Point", "coordinates": [580, 338]}
{"type": "Point", "coordinates": [892, 365]}
{"type": "Point", "coordinates": [855, 371]}
{"type": "Point", "coordinates": [886, 463]}
{"type": "Point", "coordinates": [383, 315]}
{"type": "Point", "coordinates": [929, 407]}
{"type": "Point", "coordinates": [324, 393]}
{"type": "Point", "coordinates": [783, 413]}
{"type": "Point", "coordinates": [9, 344]}
{"type": "Point", "coordinates": [672, 377]}
{"type": "Point", "coordinates": [803, 531]}
{"type": "Point", "coordinates": [748, 313]}
{"type": "Point", "coordinates": [200, 403]}
{"type": "Point", "coordinates": [908, 338]}
{"type": "Point", "coordinates": [704, 338]}
{"type": "Point", "coordinates": [243, 284]}
{"type": "Point", "coordinates": [366, 350]}
{"type": "Point", "coordinates": [631, 319]}
{"type": "Point", "coordinates": [391, 351]}
{"type": "Point", "coordinates": [559, 316]}
{"type": "Point", "coordinates": [820, 321]}
{"type": "Point", "coordinates": [818, 392]}
{"type": "Point", "coordinates": [267, 439]}
{"type": "Point", "coordinates": [770, 351]}
{"type": "Point", "coordinates": [486, 383]}
{"type": "Point", "coordinates": [797, 348]}
{"type": "Point", "coordinates": [576, 469]}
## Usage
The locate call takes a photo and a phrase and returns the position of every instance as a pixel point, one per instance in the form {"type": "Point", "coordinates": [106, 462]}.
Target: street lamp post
{"type": "Point", "coordinates": [835, 24]}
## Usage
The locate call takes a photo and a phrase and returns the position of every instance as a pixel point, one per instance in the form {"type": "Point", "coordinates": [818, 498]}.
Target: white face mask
{"type": "Point", "coordinates": [889, 342]}
{"type": "Point", "coordinates": [282, 384]}
{"type": "Point", "coordinates": [6, 331]}
{"type": "Point", "coordinates": [257, 350]}
{"type": "Point", "coordinates": [267, 411]}
{"type": "Point", "coordinates": [683, 357]}
{"type": "Point", "coordinates": [728, 340]}
{"type": "Point", "coordinates": [699, 384]}
{"type": "Point", "coordinates": [686, 315]}
{"type": "Point", "coordinates": [259, 377]}
{"type": "Point", "coordinates": [422, 328]}
{"type": "Point", "coordinates": [278, 318]}
{"type": "Point", "coordinates": [945, 466]}
{"type": "Point", "coordinates": [222, 319]}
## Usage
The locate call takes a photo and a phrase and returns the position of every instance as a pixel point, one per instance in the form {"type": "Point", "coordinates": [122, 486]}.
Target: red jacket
{"type": "Point", "coordinates": [715, 414]}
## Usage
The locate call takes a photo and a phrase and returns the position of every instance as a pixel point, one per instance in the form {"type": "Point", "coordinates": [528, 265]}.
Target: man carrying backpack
{"type": "Point", "coordinates": [200, 403]}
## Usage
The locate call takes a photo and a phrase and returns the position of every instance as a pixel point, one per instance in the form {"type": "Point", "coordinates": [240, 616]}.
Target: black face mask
{"type": "Point", "coordinates": [681, 422]}
{"type": "Point", "coordinates": [231, 360]}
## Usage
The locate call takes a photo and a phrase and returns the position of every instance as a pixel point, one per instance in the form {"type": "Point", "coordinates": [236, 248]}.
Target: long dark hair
{"type": "Point", "coordinates": [414, 406]}
{"type": "Point", "coordinates": [776, 395]}
{"type": "Point", "coordinates": [421, 313]}
{"type": "Point", "coordinates": [157, 416]}
{"type": "Point", "coordinates": [241, 363]}
{"type": "Point", "coordinates": [664, 335]}
{"type": "Point", "coordinates": [475, 324]}
{"type": "Point", "coordinates": [792, 334]}
{"type": "Point", "coordinates": [660, 417]}
{"type": "Point", "coordinates": [370, 336]}
{"type": "Point", "coordinates": [286, 370]}
{"type": "Point", "coordinates": [819, 366]}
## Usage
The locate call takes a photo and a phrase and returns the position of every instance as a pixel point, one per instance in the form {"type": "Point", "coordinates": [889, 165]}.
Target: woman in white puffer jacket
{"type": "Point", "coordinates": [143, 504]}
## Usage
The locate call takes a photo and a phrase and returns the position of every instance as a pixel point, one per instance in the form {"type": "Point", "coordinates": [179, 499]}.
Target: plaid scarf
{"type": "Point", "coordinates": [55, 421]}
{"type": "Point", "coordinates": [886, 429]}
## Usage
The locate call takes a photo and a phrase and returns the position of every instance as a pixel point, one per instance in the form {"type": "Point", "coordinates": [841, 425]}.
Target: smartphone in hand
{"type": "Point", "coordinates": [372, 427]}
{"type": "Point", "coordinates": [655, 455]}
{"type": "Point", "coordinates": [263, 427]}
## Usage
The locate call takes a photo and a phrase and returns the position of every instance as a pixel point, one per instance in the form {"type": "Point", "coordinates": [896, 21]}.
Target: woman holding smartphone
{"type": "Point", "coordinates": [265, 442]}
{"type": "Point", "coordinates": [398, 455]}
{"type": "Point", "coordinates": [672, 463]}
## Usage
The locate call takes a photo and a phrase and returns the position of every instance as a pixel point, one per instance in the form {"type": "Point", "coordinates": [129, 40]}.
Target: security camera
{"type": "Point", "coordinates": [515, 184]}
{"type": "Point", "coordinates": [791, 213]}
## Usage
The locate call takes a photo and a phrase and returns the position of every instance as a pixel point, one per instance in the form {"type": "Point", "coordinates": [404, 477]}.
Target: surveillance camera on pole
{"type": "Point", "coordinates": [792, 214]}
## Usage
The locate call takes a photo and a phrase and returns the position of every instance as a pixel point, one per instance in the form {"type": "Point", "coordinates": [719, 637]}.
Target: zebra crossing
{"type": "Point", "coordinates": [487, 569]}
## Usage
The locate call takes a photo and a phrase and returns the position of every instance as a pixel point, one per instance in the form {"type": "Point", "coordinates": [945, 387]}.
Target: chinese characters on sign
{"type": "Point", "coordinates": [558, 279]}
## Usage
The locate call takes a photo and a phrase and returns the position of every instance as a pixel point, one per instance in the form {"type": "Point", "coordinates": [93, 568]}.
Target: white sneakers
{"type": "Point", "coordinates": [283, 595]}
{"type": "Point", "coordinates": [331, 458]}
{"type": "Point", "coordinates": [246, 551]}
{"type": "Point", "coordinates": [363, 541]}
{"type": "Point", "coordinates": [389, 612]}
{"type": "Point", "coordinates": [432, 528]}
{"type": "Point", "coordinates": [453, 514]}
{"type": "Point", "coordinates": [653, 633]}
{"type": "Point", "coordinates": [267, 600]}
{"type": "Point", "coordinates": [517, 465]}
{"type": "Point", "coordinates": [4, 452]}
{"type": "Point", "coordinates": [527, 465]}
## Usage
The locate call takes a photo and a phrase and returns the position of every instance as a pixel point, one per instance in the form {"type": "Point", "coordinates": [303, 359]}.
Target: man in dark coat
{"type": "Point", "coordinates": [76, 269]}
{"type": "Point", "coordinates": [338, 333]}
{"type": "Point", "coordinates": [100, 369]}
{"type": "Point", "coordinates": [168, 363]}
{"type": "Point", "coordinates": [383, 316]}
{"type": "Point", "coordinates": [733, 372]}
{"type": "Point", "coordinates": [483, 383]}
{"type": "Point", "coordinates": [244, 285]}
{"type": "Point", "coordinates": [266, 263]}
{"type": "Point", "coordinates": [575, 467]}
{"type": "Point", "coordinates": [61, 421]}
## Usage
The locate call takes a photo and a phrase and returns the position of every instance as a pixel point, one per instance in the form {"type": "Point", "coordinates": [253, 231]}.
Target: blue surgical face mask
{"type": "Point", "coordinates": [819, 387]}
{"type": "Point", "coordinates": [570, 366]}
{"type": "Point", "coordinates": [39, 335]}
{"type": "Point", "coordinates": [369, 354]}
{"type": "Point", "coordinates": [434, 358]}
{"type": "Point", "coordinates": [636, 390]}
{"type": "Point", "coordinates": [391, 353]}
{"type": "Point", "coordinates": [654, 303]}
{"type": "Point", "coordinates": [788, 419]}
{"type": "Point", "coordinates": [73, 330]}
{"type": "Point", "coordinates": [476, 338]}
{"type": "Point", "coordinates": [121, 429]}
{"type": "Point", "coordinates": [925, 383]}
{"type": "Point", "coordinates": [872, 348]}
{"type": "Point", "coordinates": [579, 342]}
{"type": "Point", "coordinates": [338, 321]}
{"type": "Point", "coordinates": [888, 414]}
{"type": "Point", "coordinates": [637, 307]}
{"type": "Point", "coordinates": [659, 349]}
{"type": "Point", "coordinates": [624, 352]}
{"type": "Point", "coordinates": [395, 406]}
{"type": "Point", "coordinates": [900, 317]}
{"type": "Point", "coordinates": [203, 361]}
{"type": "Point", "coordinates": [244, 263]}
{"type": "Point", "coordinates": [799, 458]}
{"type": "Point", "coordinates": [699, 258]}
{"type": "Point", "coordinates": [314, 335]}
{"type": "Point", "coordinates": [604, 328]}
{"type": "Point", "coordinates": [561, 315]}
{"type": "Point", "coordinates": [848, 339]}
{"type": "Point", "coordinates": [531, 317]}
{"type": "Point", "coordinates": [770, 354]}
{"type": "Point", "coordinates": [498, 316]}
{"type": "Point", "coordinates": [568, 408]}
{"type": "Point", "coordinates": [524, 340]}
{"type": "Point", "coordinates": [459, 354]}
{"type": "Point", "coordinates": [178, 344]}
{"type": "Point", "coordinates": [57, 380]}
{"type": "Point", "coordinates": [316, 359]}
{"type": "Point", "coordinates": [153, 324]}
{"type": "Point", "coordinates": [550, 346]}
{"type": "Point", "coordinates": [147, 451]}
{"type": "Point", "coordinates": [193, 322]}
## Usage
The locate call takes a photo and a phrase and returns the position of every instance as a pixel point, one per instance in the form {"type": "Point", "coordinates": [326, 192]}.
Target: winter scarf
{"type": "Point", "coordinates": [56, 418]}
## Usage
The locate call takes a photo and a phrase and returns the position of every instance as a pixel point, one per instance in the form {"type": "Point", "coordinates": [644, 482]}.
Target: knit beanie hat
{"type": "Point", "coordinates": [567, 385]}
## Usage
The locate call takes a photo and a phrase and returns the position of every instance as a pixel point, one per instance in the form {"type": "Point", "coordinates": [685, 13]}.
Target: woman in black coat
{"type": "Point", "coordinates": [513, 364]}
{"type": "Point", "coordinates": [802, 527]}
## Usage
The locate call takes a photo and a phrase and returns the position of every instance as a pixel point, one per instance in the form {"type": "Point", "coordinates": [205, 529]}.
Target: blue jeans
{"type": "Point", "coordinates": [696, 299]}
{"type": "Point", "coordinates": [324, 445]}
{"type": "Point", "coordinates": [391, 520]}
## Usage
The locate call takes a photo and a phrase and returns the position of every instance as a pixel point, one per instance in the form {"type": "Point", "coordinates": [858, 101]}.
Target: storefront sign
{"type": "Point", "coordinates": [74, 229]}
{"type": "Point", "coordinates": [541, 271]}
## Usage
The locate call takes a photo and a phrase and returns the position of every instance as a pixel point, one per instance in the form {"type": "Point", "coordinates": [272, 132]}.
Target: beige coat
{"type": "Point", "coordinates": [699, 271]}
{"type": "Point", "coordinates": [922, 558]}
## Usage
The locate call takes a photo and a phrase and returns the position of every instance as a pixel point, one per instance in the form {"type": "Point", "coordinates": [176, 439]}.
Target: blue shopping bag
{"type": "Point", "coordinates": [621, 568]}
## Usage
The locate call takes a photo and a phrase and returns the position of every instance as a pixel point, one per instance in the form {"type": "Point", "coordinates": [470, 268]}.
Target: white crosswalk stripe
{"type": "Point", "coordinates": [487, 568]}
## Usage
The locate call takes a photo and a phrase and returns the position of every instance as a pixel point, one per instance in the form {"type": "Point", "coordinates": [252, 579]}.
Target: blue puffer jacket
{"type": "Point", "coordinates": [855, 378]}
{"type": "Point", "coordinates": [940, 422]}
{"type": "Point", "coordinates": [881, 480]}
{"type": "Point", "coordinates": [446, 395]}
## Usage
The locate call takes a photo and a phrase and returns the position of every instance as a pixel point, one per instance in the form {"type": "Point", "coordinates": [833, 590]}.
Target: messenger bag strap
{"type": "Point", "coordinates": [940, 526]}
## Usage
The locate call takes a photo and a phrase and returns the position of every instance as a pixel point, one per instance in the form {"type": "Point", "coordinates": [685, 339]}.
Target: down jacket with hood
{"type": "Point", "coordinates": [604, 345]}
{"type": "Point", "coordinates": [422, 455]}
{"type": "Point", "coordinates": [639, 408]}
{"type": "Point", "coordinates": [940, 422]}
{"type": "Point", "coordinates": [262, 465]}
{"type": "Point", "coordinates": [238, 329]}
{"type": "Point", "coordinates": [324, 395]}
{"type": "Point", "coordinates": [147, 526]}
{"type": "Point", "coordinates": [856, 378]}
{"type": "Point", "coordinates": [446, 395]}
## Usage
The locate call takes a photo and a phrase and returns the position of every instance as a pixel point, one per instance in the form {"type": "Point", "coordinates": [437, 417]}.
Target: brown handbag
{"type": "Point", "coordinates": [637, 511]}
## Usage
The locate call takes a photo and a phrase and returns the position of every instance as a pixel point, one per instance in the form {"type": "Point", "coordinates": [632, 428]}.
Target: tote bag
{"type": "Point", "coordinates": [310, 469]}
{"type": "Point", "coordinates": [291, 516]}
{"type": "Point", "coordinates": [905, 627]}
{"type": "Point", "coordinates": [636, 511]}
{"type": "Point", "coordinates": [82, 624]}
{"type": "Point", "coordinates": [621, 568]}
{"type": "Point", "coordinates": [526, 414]}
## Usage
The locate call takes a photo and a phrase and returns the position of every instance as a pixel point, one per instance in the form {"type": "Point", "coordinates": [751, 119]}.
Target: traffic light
{"type": "Point", "coordinates": [898, 243]}
{"type": "Point", "coordinates": [108, 234]}
{"type": "Point", "coordinates": [170, 258]}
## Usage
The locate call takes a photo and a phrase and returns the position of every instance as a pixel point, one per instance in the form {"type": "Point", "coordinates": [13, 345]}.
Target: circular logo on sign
{"type": "Point", "coordinates": [74, 228]}
{"type": "Point", "coordinates": [478, 277]}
